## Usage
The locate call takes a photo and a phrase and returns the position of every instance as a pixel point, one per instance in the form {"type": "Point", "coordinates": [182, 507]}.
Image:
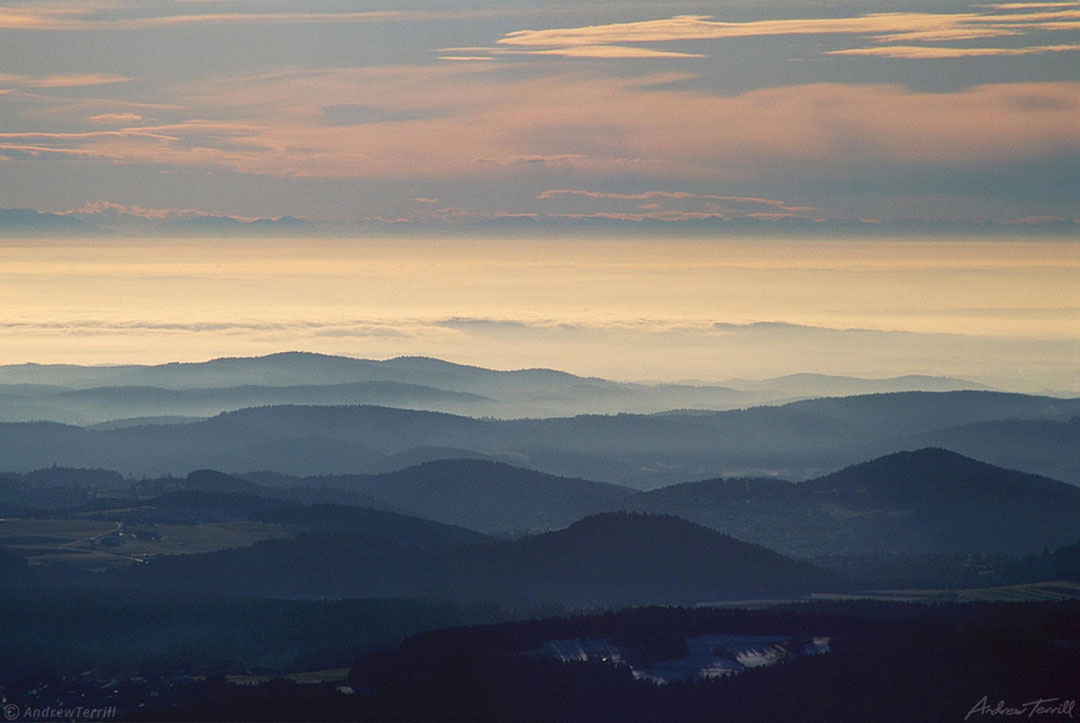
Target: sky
{"type": "Point", "coordinates": [997, 312]}
{"type": "Point", "coordinates": [450, 111]}
{"type": "Point", "coordinates": [408, 126]}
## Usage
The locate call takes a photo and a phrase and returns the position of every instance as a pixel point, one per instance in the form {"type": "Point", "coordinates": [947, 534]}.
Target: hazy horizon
{"type": "Point", "coordinates": [581, 143]}
{"type": "Point", "coordinates": [721, 193]}
{"type": "Point", "coordinates": [997, 312]}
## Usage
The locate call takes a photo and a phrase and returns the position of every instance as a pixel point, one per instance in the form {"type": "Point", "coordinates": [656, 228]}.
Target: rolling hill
{"type": "Point", "coordinates": [922, 502]}
{"type": "Point", "coordinates": [622, 559]}
{"type": "Point", "coordinates": [800, 440]}
{"type": "Point", "coordinates": [86, 395]}
{"type": "Point", "coordinates": [484, 496]}
{"type": "Point", "coordinates": [610, 559]}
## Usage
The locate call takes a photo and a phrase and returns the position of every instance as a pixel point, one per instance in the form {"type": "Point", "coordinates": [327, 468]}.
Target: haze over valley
{"type": "Point", "coordinates": [492, 361]}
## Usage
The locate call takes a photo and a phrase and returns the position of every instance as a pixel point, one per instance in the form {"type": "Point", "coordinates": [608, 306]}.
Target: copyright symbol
{"type": "Point", "coordinates": [11, 711]}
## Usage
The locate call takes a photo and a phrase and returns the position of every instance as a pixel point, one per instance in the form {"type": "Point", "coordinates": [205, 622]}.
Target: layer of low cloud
{"type": "Point", "coordinates": [668, 350]}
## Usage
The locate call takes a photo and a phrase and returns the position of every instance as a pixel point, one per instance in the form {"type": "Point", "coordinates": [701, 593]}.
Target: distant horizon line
{"type": "Point", "coordinates": [424, 357]}
{"type": "Point", "coordinates": [32, 223]}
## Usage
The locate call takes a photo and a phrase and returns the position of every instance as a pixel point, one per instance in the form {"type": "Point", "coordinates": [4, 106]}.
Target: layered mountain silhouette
{"type": "Point", "coordinates": [479, 495]}
{"type": "Point", "coordinates": [610, 559]}
{"type": "Point", "coordinates": [800, 440]}
{"type": "Point", "coordinates": [86, 395]}
{"type": "Point", "coordinates": [485, 496]}
{"type": "Point", "coordinates": [96, 405]}
{"type": "Point", "coordinates": [921, 502]}
{"type": "Point", "coordinates": [926, 502]}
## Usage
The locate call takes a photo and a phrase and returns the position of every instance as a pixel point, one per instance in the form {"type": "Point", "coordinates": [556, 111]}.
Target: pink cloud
{"type": "Point", "coordinates": [924, 52]}
{"type": "Point", "coordinates": [91, 16]}
{"type": "Point", "coordinates": [97, 208]}
{"type": "Point", "coordinates": [678, 205]}
{"type": "Point", "coordinates": [461, 120]}
{"type": "Point", "coordinates": [702, 27]}
{"type": "Point", "coordinates": [611, 51]}
{"type": "Point", "coordinates": [646, 195]}
{"type": "Point", "coordinates": [623, 39]}
{"type": "Point", "coordinates": [1030, 6]}
{"type": "Point", "coordinates": [116, 118]}
{"type": "Point", "coordinates": [64, 81]}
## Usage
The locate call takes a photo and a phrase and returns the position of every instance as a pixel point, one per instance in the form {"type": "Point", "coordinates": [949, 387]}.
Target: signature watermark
{"type": "Point", "coordinates": [13, 712]}
{"type": "Point", "coordinates": [1030, 709]}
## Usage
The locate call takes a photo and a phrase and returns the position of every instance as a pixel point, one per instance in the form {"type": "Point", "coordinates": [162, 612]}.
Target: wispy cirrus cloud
{"type": "Point", "coordinates": [1029, 5]}
{"type": "Point", "coordinates": [99, 16]}
{"type": "Point", "coordinates": [926, 52]}
{"type": "Point", "coordinates": [521, 115]}
{"type": "Point", "coordinates": [63, 81]}
{"type": "Point", "coordinates": [625, 39]}
{"type": "Point", "coordinates": [462, 120]}
{"type": "Point", "coordinates": [610, 51]}
{"type": "Point", "coordinates": [703, 27]}
{"type": "Point", "coordinates": [116, 118]}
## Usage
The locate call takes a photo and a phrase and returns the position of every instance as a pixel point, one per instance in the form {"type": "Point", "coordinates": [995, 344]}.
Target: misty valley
{"type": "Point", "coordinates": [539, 362]}
{"type": "Point", "coordinates": [307, 537]}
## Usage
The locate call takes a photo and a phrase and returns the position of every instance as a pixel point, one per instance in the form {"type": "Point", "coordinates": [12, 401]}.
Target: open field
{"type": "Point", "coordinates": [99, 544]}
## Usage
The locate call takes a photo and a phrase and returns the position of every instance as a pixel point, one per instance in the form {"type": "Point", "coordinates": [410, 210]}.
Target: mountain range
{"type": "Point", "coordinates": [924, 502]}
{"type": "Point", "coordinates": [27, 223]}
{"type": "Point", "coordinates": [88, 395]}
{"type": "Point", "coordinates": [929, 501]}
{"type": "Point", "coordinates": [608, 559]}
{"type": "Point", "coordinates": [797, 441]}
{"type": "Point", "coordinates": [481, 495]}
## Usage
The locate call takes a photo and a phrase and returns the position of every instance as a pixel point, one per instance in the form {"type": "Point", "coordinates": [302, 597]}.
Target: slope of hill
{"type": "Point", "coordinates": [1049, 446]}
{"type": "Point", "coordinates": [611, 559]}
{"type": "Point", "coordinates": [485, 496]}
{"type": "Point", "coordinates": [621, 559]}
{"type": "Point", "coordinates": [191, 506]}
{"type": "Point", "coordinates": [828, 385]}
{"type": "Point", "coordinates": [99, 404]}
{"type": "Point", "coordinates": [922, 502]}
{"type": "Point", "coordinates": [213, 483]}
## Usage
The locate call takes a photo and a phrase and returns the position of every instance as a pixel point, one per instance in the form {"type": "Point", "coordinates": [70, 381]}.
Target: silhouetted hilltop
{"type": "Point", "coordinates": [208, 480]}
{"type": "Point", "coordinates": [1014, 443]}
{"type": "Point", "coordinates": [612, 559]}
{"type": "Point", "coordinates": [280, 369]}
{"type": "Point", "coordinates": [901, 413]}
{"type": "Point", "coordinates": [927, 501]}
{"type": "Point", "coordinates": [933, 478]}
{"type": "Point", "coordinates": [26, 221]}
{"type": "Point", "coordinates": [622, 558]}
